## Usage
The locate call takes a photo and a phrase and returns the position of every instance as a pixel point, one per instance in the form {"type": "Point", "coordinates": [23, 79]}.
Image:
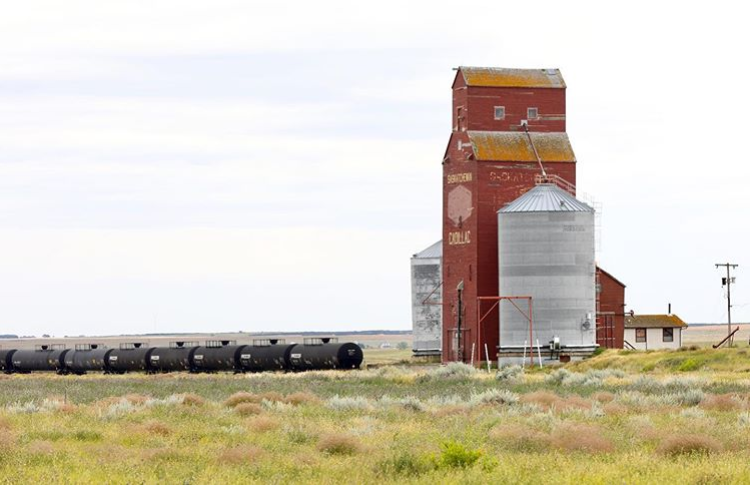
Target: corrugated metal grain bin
{"type": "Point", "coordinates": [426, 300]}
{"type": "Point", "coordinates": [546, 244]}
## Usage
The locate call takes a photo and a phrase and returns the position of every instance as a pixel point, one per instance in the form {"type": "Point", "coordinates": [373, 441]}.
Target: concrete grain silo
{"type": "Point", "coordinates": [546, 247]}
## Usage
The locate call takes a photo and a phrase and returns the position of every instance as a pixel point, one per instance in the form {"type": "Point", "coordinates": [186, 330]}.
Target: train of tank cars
{"type": "Point", "coordinates": [214, 356]}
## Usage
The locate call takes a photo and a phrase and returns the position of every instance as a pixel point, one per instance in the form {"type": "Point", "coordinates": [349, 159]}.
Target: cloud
{"type": "Point", "coordinates": [235, 156]}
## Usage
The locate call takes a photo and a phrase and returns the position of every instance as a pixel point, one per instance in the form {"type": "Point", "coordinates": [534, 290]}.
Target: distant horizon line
{"type": "Point", "coordinates": [180, 334]}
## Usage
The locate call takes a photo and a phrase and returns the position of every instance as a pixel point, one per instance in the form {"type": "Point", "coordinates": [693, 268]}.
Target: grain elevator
{"type": "Point", "coordinates": [509, 150]}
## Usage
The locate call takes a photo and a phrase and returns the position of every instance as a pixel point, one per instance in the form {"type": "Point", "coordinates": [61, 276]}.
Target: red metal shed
{"type": "Point", "coordinates": [610, 310]}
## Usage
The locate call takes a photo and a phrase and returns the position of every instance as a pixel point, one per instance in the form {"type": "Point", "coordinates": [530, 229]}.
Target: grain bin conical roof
{"type": "Point", "coordinates": [546, 198]}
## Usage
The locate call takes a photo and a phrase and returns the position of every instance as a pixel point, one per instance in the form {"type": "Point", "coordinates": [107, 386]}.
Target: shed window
{"type": "Point", "coordinates": [667, 334]}
{"type": "Point", "coordinates": [640, 335]}
{"type": "Point", "coordinates": [532, 113]}
{"type": "Point", "coordinates": [499, 112]}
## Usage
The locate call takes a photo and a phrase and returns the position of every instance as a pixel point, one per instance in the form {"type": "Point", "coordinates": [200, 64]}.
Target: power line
{"type": "Point", "coordinates": [727, 281]}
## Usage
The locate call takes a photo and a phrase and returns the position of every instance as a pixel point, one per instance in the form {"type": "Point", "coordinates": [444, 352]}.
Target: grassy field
{"type": "Point", "coordinates": [706, 335]}
{"type": "Point", "coordinates": [681, 416]}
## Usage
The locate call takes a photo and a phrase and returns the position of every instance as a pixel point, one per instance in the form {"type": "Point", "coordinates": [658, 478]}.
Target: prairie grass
{"type": "Point", "coordinates": [421, 424]}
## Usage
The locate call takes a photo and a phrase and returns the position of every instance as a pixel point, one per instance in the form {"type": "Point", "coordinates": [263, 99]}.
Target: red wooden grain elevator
{"type": "Point", "coordinates": [489, 162]}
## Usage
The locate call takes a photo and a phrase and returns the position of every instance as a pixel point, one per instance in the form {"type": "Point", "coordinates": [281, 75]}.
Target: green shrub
{"type": "Point", "coordinates": [598, 351]}
{"type": "Point", "coordinates": [453, 369]}
{"type": "Point", "coordinates": [404, 464]}
{"type": "Point", "coordinates": [456, 455]}
{"type": "Point", "coordinates": [509, 373]}
{"type": "Point", "coordinates": [87, 435]}
{"type": "Point", "coordinates": [689, 365]}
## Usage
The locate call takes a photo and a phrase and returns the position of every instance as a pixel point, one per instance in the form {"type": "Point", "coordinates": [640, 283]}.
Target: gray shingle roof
{"type": "Point", "coordinates": [434, 251]}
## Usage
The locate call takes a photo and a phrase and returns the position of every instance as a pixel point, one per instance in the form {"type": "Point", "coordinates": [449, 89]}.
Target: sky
{"type": "Point", "coordinates": [182, 166]}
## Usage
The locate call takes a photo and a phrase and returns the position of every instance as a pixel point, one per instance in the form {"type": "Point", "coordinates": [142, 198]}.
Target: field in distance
{"type": "Point", "coordinates": [623, 416]}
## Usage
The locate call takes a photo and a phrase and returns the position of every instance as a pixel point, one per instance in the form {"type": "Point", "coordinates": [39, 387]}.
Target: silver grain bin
{"type": "Point", "coordinates": [546, 244]}
{"type": "Point", "coordinates": [426, 296]}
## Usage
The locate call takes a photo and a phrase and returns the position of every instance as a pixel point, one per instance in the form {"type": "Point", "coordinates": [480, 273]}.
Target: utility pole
{"type": "Point", "coordinates": [727, 281]}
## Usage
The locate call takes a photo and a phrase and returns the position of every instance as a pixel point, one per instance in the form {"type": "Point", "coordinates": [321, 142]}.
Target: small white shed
{"type": "Point", "coordinates": [651, 332]}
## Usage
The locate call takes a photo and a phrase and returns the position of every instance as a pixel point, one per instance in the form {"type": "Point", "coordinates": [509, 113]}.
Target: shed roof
{"type": "Point", "coordinates": [500, 77]}
{"type": "Point", "coordinates": [546, 198]}
{"type": "Point", "coordinates": [505, 146]}
{"type": "Point", "coordinates": [654, 321]}
{"type": "Point", "coordinates": [434, 251]}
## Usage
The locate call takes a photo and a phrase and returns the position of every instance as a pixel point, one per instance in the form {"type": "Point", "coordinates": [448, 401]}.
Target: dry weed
{"type": "Point", "coordinates": [241, 398]}
{"type": "Point", "coordinates": [107, 402]}
{"type": "Point", "coordinates": [160, 454]}
{"type": "Point", "coordinates": [545, 399]}
{"type": "Point", "coordinates": [262, 424]}
{"type": "Point", "coordinates": [574, 401]}
{"type": "Point", "coordinates": [135, 399]}
{"type": "Point", "coordinates": [240, 455]}
{"type": "Point", "coordinates": [271, 396]}
{"type": "Point", "coordinates": [549, 400]}
{"type": "Point", "coordinates": [615, 408]}
{"type": "Point", "coordinates": [66, 408]}
{"type": "Point", "coordinates": [603, 397]}
{"type": "Point", "coordinates": [5, 424]}
{"type": "Point", "coordinates": [7, 439]}
{"type": "Point", "coordinates": [192, 400]}
{"type": "Point", "coordinates": [581, 437]}
{"type": "Point", "coordinates": [44, 448]}
{"type": "Point", "coordinates": [156, 428]}
{"type": "Point", "coordinates": [299, 398]}
{"type": "Point", "coordinates": [339, 444]}
{"type": "Point", "coordinates": [248, 409]}
{"type": "Point", "coordinates": [520, 438]}
{"type": "Point", "coordinates": [450, 410]}
{"type": "Point", "coordinates": [688, 444]}
{"type": "Point", "coordinates": [721, 402]}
